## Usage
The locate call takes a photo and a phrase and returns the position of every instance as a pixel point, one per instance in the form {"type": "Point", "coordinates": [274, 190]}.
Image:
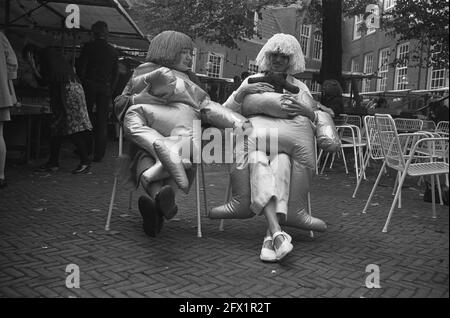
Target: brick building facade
{"type": "Point", "coordinates": [373, 51]}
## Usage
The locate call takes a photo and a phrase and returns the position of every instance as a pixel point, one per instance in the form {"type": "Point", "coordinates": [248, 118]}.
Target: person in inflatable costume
{"type": "Point", "coordinates": [159, 107]}
{"type": "Point", "coordinates": [277, 185]}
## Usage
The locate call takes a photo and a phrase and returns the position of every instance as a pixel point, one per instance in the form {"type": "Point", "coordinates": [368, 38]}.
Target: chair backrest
{"type": "Point", "coordinates": [428, 125]}
{"type": "Point", "coordinates": [354, 120]}
{"type": "Point", "coordinates": [442, 127]}
{"type": "Point", "coordinates": [340, 120]}
{"type": "Point", "coordinates": [408, 124]}
{"type": "Point", "coordinates": [390, 142]}
{"type": "Point", "coordinates": [373, 138]}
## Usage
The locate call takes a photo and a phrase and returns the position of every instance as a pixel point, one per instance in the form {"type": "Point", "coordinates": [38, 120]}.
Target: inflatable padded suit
{"type": "Point", "coordinates": [295, 138]}
{"type": "Point", "coordinates": [162, 120]}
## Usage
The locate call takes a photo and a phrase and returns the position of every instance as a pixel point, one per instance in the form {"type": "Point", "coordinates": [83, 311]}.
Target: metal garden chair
{"type": "Point", "coordinates": [116, 181]}
{"type": "Point", "coordinates": [408, 164]}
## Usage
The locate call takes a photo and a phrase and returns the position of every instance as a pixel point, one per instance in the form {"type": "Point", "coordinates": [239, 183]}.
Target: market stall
{"type": "Point", "coordinates": [44, 22]}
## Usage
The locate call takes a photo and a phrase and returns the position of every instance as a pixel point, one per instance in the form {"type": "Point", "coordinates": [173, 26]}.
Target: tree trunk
{"type": "Point", "coordinates": [332, 41]}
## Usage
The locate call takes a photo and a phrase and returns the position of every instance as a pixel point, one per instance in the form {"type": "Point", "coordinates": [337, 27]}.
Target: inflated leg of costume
{"type": "Point", "coordinates": [150, 127]}
{"type": "Point", "coordinates": [239, 205]}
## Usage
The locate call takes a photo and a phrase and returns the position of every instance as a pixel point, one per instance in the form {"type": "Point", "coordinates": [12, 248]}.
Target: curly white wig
{"type": "Point", "coordinates": [284, 44]}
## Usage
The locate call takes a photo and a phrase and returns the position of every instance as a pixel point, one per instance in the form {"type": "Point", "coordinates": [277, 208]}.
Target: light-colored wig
{"type": "Point", "coordinates": [284, 44]}
{"type": "Point", "coordinates": [165, 47]}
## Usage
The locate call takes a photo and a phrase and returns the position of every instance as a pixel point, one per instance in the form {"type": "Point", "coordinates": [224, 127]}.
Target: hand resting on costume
{"type": "Point", "coordinates": [277, 80]}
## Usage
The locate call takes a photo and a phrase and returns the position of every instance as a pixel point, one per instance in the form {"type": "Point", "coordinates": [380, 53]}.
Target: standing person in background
{"type": "Point", "coordinates": [8, 71]}
{"type": "Point", "coordinates": [67, 103]}
{"type": "Point", "coordinates": [98, 71]}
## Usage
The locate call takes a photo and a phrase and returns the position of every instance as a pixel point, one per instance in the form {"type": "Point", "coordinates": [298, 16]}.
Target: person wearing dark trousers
{"type": "Point", "coordinates": [98, 71]}
{"type": "Point", "coordinates": [67, 102]}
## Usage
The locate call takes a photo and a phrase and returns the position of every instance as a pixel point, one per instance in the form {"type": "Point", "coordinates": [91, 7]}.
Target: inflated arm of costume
{"type": "Point", "coordinates": [277, 81]}
{"type": "Point", "coordinates": [221, 117]}
{"type": "Point", "coordinates": [327, 137]}
{"type": "Point", "coordinates": [137, 130]}
{"type": "Point", "coordinates": [163, 74]}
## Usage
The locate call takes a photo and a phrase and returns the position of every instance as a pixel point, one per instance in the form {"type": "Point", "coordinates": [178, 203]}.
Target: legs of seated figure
{"type": "Point", "coordinates": [265, 199]}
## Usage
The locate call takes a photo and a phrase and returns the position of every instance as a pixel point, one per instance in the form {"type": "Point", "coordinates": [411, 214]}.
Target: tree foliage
{"type": "Point", "coordinates": [227, 21]}
{"type": "Point", "coordinates": [221, 21]}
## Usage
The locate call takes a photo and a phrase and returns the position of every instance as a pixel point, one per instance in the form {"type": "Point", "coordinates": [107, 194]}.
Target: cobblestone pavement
{"type": "Point", "coordinates": [49, 221]}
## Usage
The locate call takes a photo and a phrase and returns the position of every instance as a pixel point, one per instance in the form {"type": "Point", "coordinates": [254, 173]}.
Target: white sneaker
{"type": "Point", "coordinates": [268, 254]}
{"type": "Point", "coordinates": [285, 247]}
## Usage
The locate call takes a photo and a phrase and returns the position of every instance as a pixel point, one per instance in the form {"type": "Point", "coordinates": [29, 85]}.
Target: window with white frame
{"type": "Point", "coordinates": [356, 27]}
{"type": "Point", "coordinates": [317, 47]}
{"type": "Point", "coordinates": [436, 75]}
{"type": "Point", "coordinates": [194, 59]}
{"type": "Point", "coordinates": [373, 30]}
{"type": "Point", "coordinates": [388, 4]}
{"type": "Point", "coordinates": [214, 65]}
{"type": "Point", "coordinates": [401, 71]}
{"type": "Point", "coordinates": [305, 34]}
{"type": "Point", "coordinates": [383, 69]}
{"type": "Point", "coordinates": [368, 69]}
{"type": "Point", "coordinates": [255, 22]}
{"type": "Point", "coordinates": [354, 65]}
{"type": "Point", "coordinates": [252, 67]}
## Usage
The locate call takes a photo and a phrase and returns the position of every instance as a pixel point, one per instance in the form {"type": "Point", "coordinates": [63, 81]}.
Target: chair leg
{"type": "Point", "coordinates": [374, 188]}
{"type": "Point", "coordinates": [204, 188]}
{"type": "Point", "coordinates": [397, 195]}
{"type": "Point", "coordinates": [325, 162]}
{"type": "Point", "coordinates": [318, 161]}
{"type": "Point", "coordinates": [332, 160]}
{"type": "Point", "coordinates": [345, 161]}
{"type": "Point", "coordinates": [441, 201]}
{"type": "Point", "coordinates": [111, 204]}
{"type": "Point", "coordinates": [419, 183]}
{"type": "Point", "coordinates": [395, 185]}
{"type": "Point", "coordinates": [197, 194]}
{"type": "Point", "coordinates": [433, 197]}
{"type": "Point", "coordinates": [356, 161]}
{"type": "Point", "coordinates": [362, 172]}
{"type": "Point", "coordinates": [311, 233]}
{"type": "Point", "coordinates": [400, 195]}
{"type": "Point", "coordinates": [361, 158]}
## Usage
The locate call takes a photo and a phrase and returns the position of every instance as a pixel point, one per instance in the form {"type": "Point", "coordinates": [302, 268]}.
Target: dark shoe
{"type": "Point", "coordinates": [165, 202]}
{"type": "Point", "coordinates": [149, 215]}
{"type": "Point", "coordinates": [3, 183]}
{"type": "Point", "coordinates": [81, 169]}
{"type": "Point", "coordinates": [48, 167]}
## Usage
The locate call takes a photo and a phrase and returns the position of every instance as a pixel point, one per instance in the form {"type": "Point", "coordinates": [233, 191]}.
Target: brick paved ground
{"type": "Point", "coordinates": [48, 221]}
